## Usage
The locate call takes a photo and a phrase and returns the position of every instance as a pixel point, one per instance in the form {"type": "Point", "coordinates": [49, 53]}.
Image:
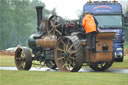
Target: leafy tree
{"type": "Point", "coordinates": [23, 20]}
{"type": "Point", "coordinates": [126, 27]}
{"type": "Point", "coordinates": [18, 21]}
{"type": "Point", "coordinates": [6, 23]}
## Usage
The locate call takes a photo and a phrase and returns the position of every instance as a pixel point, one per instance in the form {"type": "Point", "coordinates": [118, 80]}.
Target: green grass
{"type": "Point", "coordinates": [61, 78]}
{"type": "Point", "coordinates": [123, 65]}
{"type": "Point", "coordinates": [7, 61]}
{"type": "Point", "coordinates": [125, 45]}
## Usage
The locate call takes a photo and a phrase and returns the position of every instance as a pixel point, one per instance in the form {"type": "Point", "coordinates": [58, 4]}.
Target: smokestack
{"type": "Point", "coordinates": [39, 15]}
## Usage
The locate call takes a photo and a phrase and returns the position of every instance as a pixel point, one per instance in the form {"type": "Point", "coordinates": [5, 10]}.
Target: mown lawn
{"type": "Point", "coordinates": [61, 78]}
{"type": "Point", "coordinates": [6, 60]}
{"type": "Point", "coordinates": [123, 64]}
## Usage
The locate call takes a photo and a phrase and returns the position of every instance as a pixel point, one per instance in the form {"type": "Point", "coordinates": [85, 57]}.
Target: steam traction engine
{"type": "Point", "coordinates": [42, 43]}
{"type": "Point", "coordinates": [51, 46]}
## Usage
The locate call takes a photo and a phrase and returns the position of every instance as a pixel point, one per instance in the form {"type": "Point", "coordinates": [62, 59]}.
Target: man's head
{"type": "Point", "coordinates": [88, 13]}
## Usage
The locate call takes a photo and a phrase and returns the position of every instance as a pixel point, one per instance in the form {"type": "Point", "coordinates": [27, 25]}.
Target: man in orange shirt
{"type": "Point", "coordinates": [89, 23]}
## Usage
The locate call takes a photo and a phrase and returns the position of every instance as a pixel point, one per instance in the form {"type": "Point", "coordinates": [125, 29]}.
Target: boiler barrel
{"type": "Point", "coordinates": [46, 42]}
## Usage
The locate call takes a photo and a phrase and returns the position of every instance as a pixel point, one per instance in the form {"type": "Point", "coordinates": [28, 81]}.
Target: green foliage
{"type": "Point", "coordinates": [5, 22]}
{"type": "Point", "coordinates": [17, 21]}
{"type": "Point", "coordinates": [126, 27]}
{"type": "Point", "coordinates": [23, 20]}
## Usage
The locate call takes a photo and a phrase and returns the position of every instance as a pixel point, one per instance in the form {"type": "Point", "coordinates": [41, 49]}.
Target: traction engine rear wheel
{"type": "Point", "coordinates": [23, 59]}
{"type": "Point", "coordinates": [69, 54]}
{"type": "Point", "coordinates": [102, 66]}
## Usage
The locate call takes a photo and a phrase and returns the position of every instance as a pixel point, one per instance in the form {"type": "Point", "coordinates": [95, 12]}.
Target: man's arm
{"type": "Point", "coordinates": [83, 22]}
{"type": "Point", "coordinates": [95, 21]}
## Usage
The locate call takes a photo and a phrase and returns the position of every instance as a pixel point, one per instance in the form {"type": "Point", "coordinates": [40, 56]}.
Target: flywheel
{"type": "Point", "coordinates": [55, 26]}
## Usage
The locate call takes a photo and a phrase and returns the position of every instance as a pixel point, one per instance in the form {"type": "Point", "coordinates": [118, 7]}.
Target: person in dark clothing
{"type": "Point", "coordinates": [90, 25]}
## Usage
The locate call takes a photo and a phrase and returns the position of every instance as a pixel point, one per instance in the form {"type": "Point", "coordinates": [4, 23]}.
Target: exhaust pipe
{"type": "Point", "coordinates": [39, 15]}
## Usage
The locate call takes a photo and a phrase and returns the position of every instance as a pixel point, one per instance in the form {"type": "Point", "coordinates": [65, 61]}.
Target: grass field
{"type": "Point", "coordinates": [61, 78]}
{"type": "Point", "coordinates": [6, 60]}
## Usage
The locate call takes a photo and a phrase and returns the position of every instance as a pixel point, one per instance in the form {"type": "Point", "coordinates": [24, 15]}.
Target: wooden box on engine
{"type": "Point", "coordinates": [100, 55]}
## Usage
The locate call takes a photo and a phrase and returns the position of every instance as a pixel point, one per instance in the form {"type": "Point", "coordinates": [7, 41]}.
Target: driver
{"type": "Point", "coordinates": [89, 24]}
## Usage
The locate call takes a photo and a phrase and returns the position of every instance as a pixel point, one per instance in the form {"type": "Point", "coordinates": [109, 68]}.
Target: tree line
{"type": "Point", "coordinates": [126, 27]}
{"type": "Point", "coordinates": [18, 21]}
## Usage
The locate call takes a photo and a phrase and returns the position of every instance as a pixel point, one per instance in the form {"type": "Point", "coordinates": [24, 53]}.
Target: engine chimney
{"type": "Point", "coordinates": [39, 15]}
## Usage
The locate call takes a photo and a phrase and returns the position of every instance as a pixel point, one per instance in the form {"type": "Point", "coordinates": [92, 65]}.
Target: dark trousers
{"type": "Point", "coordinates": [91, 40]}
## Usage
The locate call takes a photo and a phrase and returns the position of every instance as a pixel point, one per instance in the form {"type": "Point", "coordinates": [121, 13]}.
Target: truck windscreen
{"type": "Point", "coordinates": [109, 21]}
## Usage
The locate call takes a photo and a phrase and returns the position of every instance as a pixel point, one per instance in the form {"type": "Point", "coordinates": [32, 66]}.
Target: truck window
{"type": "Point", "coordinates": [106, 21]}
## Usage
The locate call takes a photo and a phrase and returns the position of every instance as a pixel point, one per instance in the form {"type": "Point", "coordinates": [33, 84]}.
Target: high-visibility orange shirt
{"type": "Point", "coordinates": [88, 23]}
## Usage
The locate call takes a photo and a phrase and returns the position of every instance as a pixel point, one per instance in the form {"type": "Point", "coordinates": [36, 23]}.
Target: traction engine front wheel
{"type": "Point", "coordinates": [23, 59]}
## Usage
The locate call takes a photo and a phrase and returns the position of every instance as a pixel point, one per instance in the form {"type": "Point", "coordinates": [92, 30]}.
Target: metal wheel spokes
{"type": "Point", "coordinates": [100, 66]}
{"type": "Point", "coordinates": [22, 65]}
{"type": "Point", "coordinates": [51, 64]}
{"type": "Point", "coordinates": [67, 65]}
{"type": "Point", "coordinates": [69, 55]}
{"type": "Point", "coordinates": [66, 55]}
{"type": "Point", "coordinates": [20, 59]}
{"type": "Point", "coordinates": [23, 59]}
{"type": "Point", "coordinates": [55, 25]}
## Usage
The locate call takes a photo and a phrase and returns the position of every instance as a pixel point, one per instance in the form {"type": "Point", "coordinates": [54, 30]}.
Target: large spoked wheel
{"type": "Point", "coordinates": [51, 64]}
{"type": "Point", "coordinates": [69, 54]}
{"type": "Point", "coordinates": [23, 59]}
{"type": "Point", "coordinates": [101, 66]}
{"type": "Point", "coordinates": [55, 25]}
